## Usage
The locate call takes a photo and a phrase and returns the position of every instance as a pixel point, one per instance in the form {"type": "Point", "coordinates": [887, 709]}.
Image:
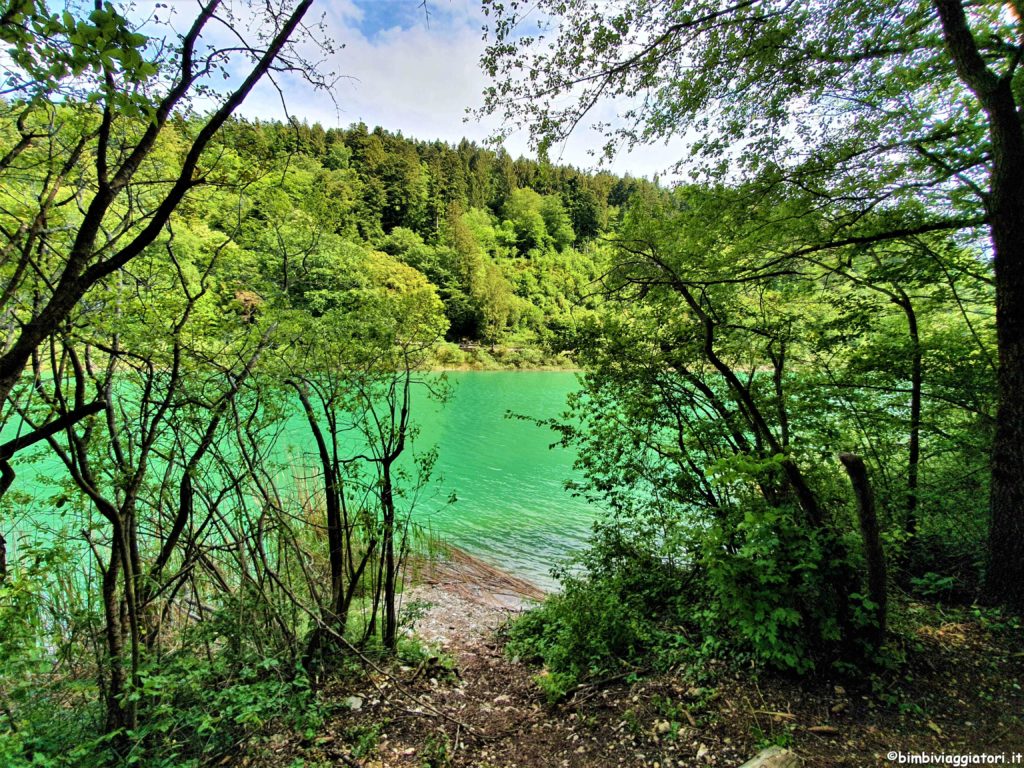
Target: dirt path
{"type": "Point", "coordinates": [487, 712]}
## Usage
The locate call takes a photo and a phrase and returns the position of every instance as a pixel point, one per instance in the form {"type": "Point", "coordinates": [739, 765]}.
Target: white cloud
{"type": "Point", "coordinates": [419, 76]}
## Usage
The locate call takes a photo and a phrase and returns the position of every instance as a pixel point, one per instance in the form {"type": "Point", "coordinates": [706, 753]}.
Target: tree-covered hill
{"type": "Point", "coordinates": [800, 373]}
{"type": "Point", "coordinates": [512, 246]}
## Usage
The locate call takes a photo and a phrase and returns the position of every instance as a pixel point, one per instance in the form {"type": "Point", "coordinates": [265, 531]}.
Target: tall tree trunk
{"type": "Point", "coordinates": [1004, 581]}
{"type": "Point", "coordinates": [916, 384]}
{"type": "Point", "coordinates": [114, 684]}
{"type": "Point", "coordinates": [333, 617]}
{"type": "Point", "coordinates": [6, 478]}
{"type": "Point", "coordinates": [873, 552]}
{"type": "Point", "coordinates": [390, 575]}
{"type": "Point", "coordinates": [1005, 574]}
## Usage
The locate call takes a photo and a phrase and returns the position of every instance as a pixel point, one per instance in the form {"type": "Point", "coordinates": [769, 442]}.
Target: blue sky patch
{"type": "Point", "coordinates": [382, 15]}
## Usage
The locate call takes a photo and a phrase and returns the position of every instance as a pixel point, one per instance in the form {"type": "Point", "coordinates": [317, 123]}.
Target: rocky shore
{"type": "Point", "coordinates": [457, 601]}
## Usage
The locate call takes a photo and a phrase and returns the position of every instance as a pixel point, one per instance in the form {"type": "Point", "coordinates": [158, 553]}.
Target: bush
{"type": "Point", "coordinates": [613, 620]}
{"type": "Point", "coordinates": [945, 567]}
{"type": "Point", "coordinates": [448, 355]}
{"type": "Point", "coordinates": [775, 593]}
{"type": "Point", "coordinates": [191, 711]}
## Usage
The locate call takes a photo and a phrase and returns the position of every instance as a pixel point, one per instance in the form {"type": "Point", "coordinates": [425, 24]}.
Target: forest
{"type": "Point", "coordinates": [798, 406]}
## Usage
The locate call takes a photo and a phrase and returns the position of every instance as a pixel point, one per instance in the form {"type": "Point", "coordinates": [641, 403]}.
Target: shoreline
{"type": "Point", "coordinates": [474, 356]}
{"type": "Point", "coordinates": [457, 568]}
{"type": "Point", "coordinates": [467, 368]}
{"type": "Point", "coordinates": [458, 600]}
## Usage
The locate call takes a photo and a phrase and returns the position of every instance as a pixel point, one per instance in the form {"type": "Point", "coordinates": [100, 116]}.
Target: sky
{"type": "Point", "coordinates": [417, 72]}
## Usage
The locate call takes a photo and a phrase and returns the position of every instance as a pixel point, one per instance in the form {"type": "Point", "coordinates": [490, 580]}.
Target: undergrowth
{"type": "Point", "coordinates": [624, 611]}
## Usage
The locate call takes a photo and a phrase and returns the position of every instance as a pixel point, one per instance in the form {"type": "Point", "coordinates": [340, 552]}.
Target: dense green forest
{"type": "Point", "coordinates": [800, 370]}
{"type": "Point", "coordinates": [511, 246]}
{"type": "Point", "coordinates": [312, 269]}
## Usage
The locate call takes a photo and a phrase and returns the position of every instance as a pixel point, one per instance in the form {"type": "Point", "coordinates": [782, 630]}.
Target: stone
{"type": "Point", "coordinates": [773, 757]}
{"type": "Point", "coordinates": [353, 702]}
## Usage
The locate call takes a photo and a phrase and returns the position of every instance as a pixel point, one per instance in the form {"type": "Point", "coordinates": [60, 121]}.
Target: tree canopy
{"type": "Point", "coordinates": [878, 121]}
{"type": "Point", "coordinates": [800, 371]}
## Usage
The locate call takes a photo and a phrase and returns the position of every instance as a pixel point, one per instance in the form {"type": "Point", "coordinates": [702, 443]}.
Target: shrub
{"type": "Point", "coordinates": [774, 592]}
{"type": "Point", "coordinates": [609, 621]}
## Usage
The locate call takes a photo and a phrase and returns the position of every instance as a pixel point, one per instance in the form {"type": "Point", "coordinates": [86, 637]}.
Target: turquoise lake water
{"type": "Point", "coordinates": [511, 508]}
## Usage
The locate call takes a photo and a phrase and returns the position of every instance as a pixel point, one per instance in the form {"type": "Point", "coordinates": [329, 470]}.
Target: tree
{"type": "Point", "coordinates": [357, 380]}
{"type": "Point", "coordinates": [88, 108]}
{"type": "Point", "coordinates": [524, 210]}
{"type": "Point", "coordinates": [163, 407]}
{"type": "Point", "coordinates": [586, 210]}
{"type": "Point", "coordinates": [722, 384]}
{"type": "Point", "coordinates": [903, 107]}
{"type": "Point", "coordinates": [164, 396]}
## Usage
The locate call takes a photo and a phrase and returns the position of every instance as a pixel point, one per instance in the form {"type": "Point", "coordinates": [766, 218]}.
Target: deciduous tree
{"type": "Point", "coordinates": [92, 98]}
{"type": "Point", "coordinates": [905, 107]}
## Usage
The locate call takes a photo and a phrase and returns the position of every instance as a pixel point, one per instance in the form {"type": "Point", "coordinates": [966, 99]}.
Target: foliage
{"type": "Point", "coordinates": [723, 378]}
{"type": "Point", "coordinates": [833, 97]}
{"type": "Point", "coordinates": [182, 289]}
{"type": "Point", "coordinates": [195, 714]}
{"type": "Point", "coordinates": [278, 287]}
{"type": "Point", "coordinates": [768, 596]}
{"type": "Point", "coordinates": [877, 123]}
{"type": "Point", "coordinates": [620, 615]}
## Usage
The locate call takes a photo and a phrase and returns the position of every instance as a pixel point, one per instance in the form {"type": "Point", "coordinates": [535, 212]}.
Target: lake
{"type": "Point", "coordinates": [511, 509]}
